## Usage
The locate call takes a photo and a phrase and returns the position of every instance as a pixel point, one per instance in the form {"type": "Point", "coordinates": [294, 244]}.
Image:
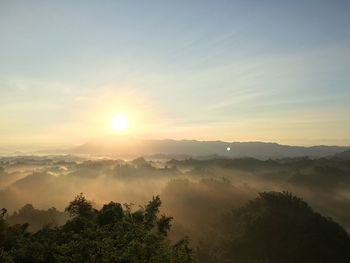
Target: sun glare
{"type": "Point", "coordinates": [120, 123]}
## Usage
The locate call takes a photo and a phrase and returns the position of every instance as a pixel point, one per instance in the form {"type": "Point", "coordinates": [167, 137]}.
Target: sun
{"type": "Point", "coordinates": [120, 123]}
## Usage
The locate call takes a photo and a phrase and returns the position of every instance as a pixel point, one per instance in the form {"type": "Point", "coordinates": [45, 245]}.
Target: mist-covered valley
{"type": "Point", "coordinates": [211, 209]}
{"type": "Point", "coordinates": [195, 192]}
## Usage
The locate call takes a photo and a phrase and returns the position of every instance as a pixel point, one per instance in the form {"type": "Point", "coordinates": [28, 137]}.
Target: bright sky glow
{"type": "Point", "coordinates": [120, 122]}
{"type": "Point", "coordinates": [209, 70]}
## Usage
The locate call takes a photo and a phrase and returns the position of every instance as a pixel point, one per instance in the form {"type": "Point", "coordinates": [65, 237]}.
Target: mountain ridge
{"type": "Point", "coordinates": [256, 149]}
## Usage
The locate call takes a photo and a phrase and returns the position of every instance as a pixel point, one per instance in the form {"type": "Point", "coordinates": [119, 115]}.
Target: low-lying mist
{"type": "Point", "coordinates": [194, 192]}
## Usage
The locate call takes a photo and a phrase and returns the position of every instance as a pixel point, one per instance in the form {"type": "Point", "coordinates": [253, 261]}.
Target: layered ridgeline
{"type": "Point", "coordinates": [184, 148]}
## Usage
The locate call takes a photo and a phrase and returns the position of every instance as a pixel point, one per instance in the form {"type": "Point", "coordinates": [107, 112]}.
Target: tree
{"type": "Point", "coordinates": [80, 207]}
{"type": "Point", "coordinates": [110, 213]}
{"type": "Point", "coordinates": [277, 227]}
{"type": "Point", "coordinates": [111, 234]}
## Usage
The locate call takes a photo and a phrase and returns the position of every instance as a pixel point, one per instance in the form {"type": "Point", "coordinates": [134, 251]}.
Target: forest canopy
{"type": "Point", "coordinates": [274, 227]}
{"type": "Point", "coordinates": [114, 233]}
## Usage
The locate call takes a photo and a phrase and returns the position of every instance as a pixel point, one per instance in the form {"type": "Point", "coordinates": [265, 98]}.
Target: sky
{"type": "Point", "coordinates": [276, 71]}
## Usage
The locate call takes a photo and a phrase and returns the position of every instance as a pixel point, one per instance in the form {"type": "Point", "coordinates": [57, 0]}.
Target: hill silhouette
{"type": "Point", "coordinates": [275, 227]}
{"type": "Point", "coordinates": [169, 148]}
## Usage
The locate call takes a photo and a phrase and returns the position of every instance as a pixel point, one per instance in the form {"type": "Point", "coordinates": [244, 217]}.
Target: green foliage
{"type": "Point", "coordinates": [151, 212]}
{"type": "Point", "coordinates": [164, 224]}
{"type": "Point", "coordinates": [80, 207]}
{"type": "Point", "coordinates": [5, 257]}
{"type": "Point", "coordinates": [276, 227]}
{"type": "Point", "coordinates": [110, 213]}
{"type": "Point", "coordinates": [109, 235]}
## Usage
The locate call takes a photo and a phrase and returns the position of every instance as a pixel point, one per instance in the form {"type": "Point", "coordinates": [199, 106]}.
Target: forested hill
{"type": "Point", "coordinates": [274, 227]}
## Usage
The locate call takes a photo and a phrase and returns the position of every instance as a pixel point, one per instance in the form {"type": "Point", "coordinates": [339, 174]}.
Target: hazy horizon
{"type": "Point", "coordinates": [65, 148]}
{"type": "Point", "coordinates": [166, 149]}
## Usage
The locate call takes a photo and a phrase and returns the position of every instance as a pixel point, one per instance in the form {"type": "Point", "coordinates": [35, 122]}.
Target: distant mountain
{"type": "Point", "coordinates": [262, 150]}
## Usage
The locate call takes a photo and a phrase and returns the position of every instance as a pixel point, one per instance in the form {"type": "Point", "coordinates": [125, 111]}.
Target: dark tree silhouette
{"type": "Point", "coordinates": [80, 207]}
{"type": "Point", "coordinates": [276, 227]}
{"type": "Point", "coordinates": [110, 213]}
{"type": "Point", "coordinates": [109, 235]}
